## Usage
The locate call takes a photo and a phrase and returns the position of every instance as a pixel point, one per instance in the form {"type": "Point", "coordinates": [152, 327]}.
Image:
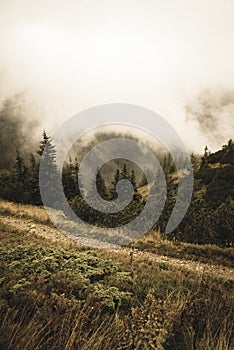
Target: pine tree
{"type": "Point", "coordinates": [19, 177]}
{"type": "Point", "coordinates": [70, 181]}
{"type": "Point", "coordinates": [20, 168]}
{"type": "Point", "coordinates": [98, 185]}
{"type": "Point", "coordinates": [124, 172]}
{"type": "Point", "coordinates": [76, 172]}
{"type": "Point", "coordinates": [204, 163]}
{"type": "Point", "coordinates": [117, 177]}
{"type": "Point", "coordinates": [136, 195]}
{"type": "Point", "coordinates": [33, 181]}
{"type": "Point", "coordinates": [101, 186]}
{"type": "Point", "coordinates": [33, 162]}
{"type": "Point", "coordinates": [133, 180]}
{"type": "Point", "coordinates": [49, 176]}
{"type": "Point", "coordinates": [194, 161]}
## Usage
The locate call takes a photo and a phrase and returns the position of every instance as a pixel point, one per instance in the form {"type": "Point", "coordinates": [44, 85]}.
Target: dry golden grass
{"type": "Point", "coordinates": [33, 212]}
{"type": "Point", "coordinates": [218, 165]}
{"type": "Point", "coordinates": [144, 191]}
{"type": "Point", "coordinates": [172, 309]}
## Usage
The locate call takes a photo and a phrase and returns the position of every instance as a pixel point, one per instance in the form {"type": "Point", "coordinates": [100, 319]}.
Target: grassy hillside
{"type": "Point", "coordinates": [56, 294]}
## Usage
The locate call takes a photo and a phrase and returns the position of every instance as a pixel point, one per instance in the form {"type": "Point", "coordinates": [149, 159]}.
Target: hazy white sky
{"type": "Point", "coordinates": [70, 55]}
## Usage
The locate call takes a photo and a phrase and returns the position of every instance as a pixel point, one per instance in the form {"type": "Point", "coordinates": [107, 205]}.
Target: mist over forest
{"type": "Point", "coordinates": [213, 186]}
{"type": "Point", "coordinates": [127, 252]}
{"type": "Point", "coordinates": [21, 125]}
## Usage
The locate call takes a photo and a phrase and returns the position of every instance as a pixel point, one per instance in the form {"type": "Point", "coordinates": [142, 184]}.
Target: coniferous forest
{"type": "Point", "coordinates": [209, 218]}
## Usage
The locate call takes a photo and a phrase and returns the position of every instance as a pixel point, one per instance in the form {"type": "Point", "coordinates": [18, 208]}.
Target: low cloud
{"type": "Point", "coordinates": [17, 130]}
{"type": "Point", "coordinates": [213, 111]}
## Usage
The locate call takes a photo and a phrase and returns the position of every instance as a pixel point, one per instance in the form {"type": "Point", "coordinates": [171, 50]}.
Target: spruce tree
{"type": "Point", "coordinates": [49, 176]}
{"type": "Point", "coordinates": [19, 180]}
{"type": "Point", "coordinates": [136, 195]}
{"type": "Point", "coordinates": [33, 181]}
{"type": "Point", "coordinates": [20, 168]}
{"type": "Point", "coordinates": [124, 173]}
{"type": "Point", "coordinates": [99, 185]}
{"type": "Point", "coordinates": [133, 180]}
{"type": "Point", "coordinates": [70, 179]}
{"type": "Point", "coordinates": [76, 172]}
{"type": "Point", "coordinates": [117, 177]}
{"type": "Point", "coordinates": [204, 163]}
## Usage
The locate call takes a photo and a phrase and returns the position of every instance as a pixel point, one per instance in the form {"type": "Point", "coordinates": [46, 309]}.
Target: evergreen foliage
{"type": "Point", "coordinates": [209, 218]}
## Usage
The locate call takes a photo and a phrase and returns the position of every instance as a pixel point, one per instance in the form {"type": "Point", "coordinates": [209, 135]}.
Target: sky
{"type": "Point", "coordinates": [66, 56]}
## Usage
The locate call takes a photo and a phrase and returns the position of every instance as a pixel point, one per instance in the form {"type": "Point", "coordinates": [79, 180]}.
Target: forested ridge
{"type": "Point", "coordinates": [209, 218]}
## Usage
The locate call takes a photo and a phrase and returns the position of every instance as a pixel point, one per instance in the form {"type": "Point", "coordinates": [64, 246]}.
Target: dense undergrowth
{"type": "Point", "coordinates": [57, 296]}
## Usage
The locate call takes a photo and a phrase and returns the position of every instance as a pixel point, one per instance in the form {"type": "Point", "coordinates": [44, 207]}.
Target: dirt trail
{"type": "Point", "coordinates": [53, 234]}
{"type": "Point", "coordinates": [29, 225]}
{"type": "Point", "coordinates": [201, 269]}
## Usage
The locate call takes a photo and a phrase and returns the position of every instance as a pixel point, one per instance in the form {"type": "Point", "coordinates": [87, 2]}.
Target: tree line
{"type": "Point", "coordinates": [209, 218]}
